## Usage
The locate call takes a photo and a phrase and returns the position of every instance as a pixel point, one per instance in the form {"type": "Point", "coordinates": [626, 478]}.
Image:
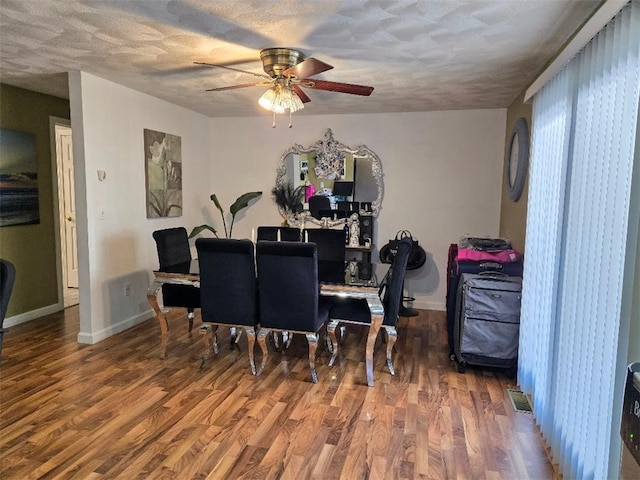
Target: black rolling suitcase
{"type": "Point", "coordinates": [487, 321]}
{"type": "Point", "coordinates": [456, 268]}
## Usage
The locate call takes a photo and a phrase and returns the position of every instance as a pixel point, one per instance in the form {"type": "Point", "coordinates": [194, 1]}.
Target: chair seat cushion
{"type": "Point", "coordinates": [184, 296]}
{"type": "Point", "coordinates": [354, 310]}
{"type": "Point", "coordinates": [332, 272]}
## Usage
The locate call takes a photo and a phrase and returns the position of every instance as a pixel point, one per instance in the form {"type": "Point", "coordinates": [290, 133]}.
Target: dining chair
{"type": "Point", "coordinates": [289, 234]}
{"type": "Point", "coordinates": [356, 311]}
{"type": "Point", "coordinates": [289, 294]}
{"type": "Point", "coordinates": [7, 279]}
{"type": "Point", "coordinates": [348, 207]}
{"type": "Point", "coordinates": [333, 214]}
{"type": "Point", "coordinates": [228, 290]}
{"type": "Point", "coordinates": [173, 249]}
{"type": "Point", "coordinates": [317, 203]}
{"type": "Point", "coordinates": [331, 252]}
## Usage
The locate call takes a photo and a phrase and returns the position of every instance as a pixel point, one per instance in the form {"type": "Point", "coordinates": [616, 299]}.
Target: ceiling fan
{"type": "Point", "coordinates": [287, 72]}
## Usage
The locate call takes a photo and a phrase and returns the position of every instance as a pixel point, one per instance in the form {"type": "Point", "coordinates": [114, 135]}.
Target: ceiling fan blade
{"type": "Point", "coordinates": [307, 68]}
{"type": "Point", "coordinates": [261, 75]}
{"type": "Point", "coordinates": [337, 87]}
{"type": "Point", "coordinates": [301, 94]}
{"type": "Point", "coordinates": [233, 87]}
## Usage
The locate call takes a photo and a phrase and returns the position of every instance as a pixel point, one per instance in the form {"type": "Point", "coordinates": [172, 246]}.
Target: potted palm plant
{"type": "Point", "coordinates": [241, 202]}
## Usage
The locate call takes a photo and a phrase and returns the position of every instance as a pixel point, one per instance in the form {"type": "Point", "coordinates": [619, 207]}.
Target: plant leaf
{"type": "Point", "coordinates": [214, 199]}
{"type": "Point", "coordinates": [200, 228]}
{"type": "Point", "coordinates": [243, 201]}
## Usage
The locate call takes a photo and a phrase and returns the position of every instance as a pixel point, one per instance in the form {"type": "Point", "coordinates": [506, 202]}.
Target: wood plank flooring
{"type": "Point", "coordinates": [115, 410]}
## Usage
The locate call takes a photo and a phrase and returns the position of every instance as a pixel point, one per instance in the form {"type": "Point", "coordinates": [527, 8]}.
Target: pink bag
{"type": "Point", "coordinates": [309, 191]}
{"type": "Point", "coordinates": [500, 256]}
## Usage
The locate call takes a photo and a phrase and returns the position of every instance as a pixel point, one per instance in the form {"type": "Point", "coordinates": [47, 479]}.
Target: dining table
{"type": "Point", "coordinates": [189, 274]}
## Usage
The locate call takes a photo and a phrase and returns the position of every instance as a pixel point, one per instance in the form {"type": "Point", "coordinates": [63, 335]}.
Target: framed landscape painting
{"type": "Point", "coordinates": [163, 161]}
{"type": "Point", "coordinates": [19, 198]}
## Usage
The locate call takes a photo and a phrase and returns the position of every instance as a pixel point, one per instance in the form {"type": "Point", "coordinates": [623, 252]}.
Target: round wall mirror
{"type": "Point", "coordinates": [334, 171]}
{"type": "Point", "coordinates": [518, 159]}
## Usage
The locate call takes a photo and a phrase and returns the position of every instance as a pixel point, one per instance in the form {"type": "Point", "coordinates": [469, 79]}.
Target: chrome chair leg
{"type": "Point", "coordinates": [331, 330]}
{"type": "Point", "coordinates": [190, 316]}
{"type": "Point", "coordinates": [274, 338]}
{"type": "Point", "coordinates": [262, 341]}
{"type": "Point", "coordinates": [204, 332]}
{"type": "Point", "coordinates": [392, 336]}
{"type": "Point", "coordinates": [214, 332]}
{"type": "Point", "coordinates": [287, 337]}
{"type": "Point", "coordinates": [235, 334]}
{"type": "Point", "coordinates": [251, 341]}
{"type": "Point", "coordinates": [312, 338]}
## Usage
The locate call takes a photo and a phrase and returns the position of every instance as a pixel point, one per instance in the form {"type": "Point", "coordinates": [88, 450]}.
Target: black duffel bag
{"type": "Point", "coordinates": [417, 256]}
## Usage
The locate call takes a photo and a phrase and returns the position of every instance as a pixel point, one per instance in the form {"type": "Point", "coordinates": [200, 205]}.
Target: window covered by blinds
{"type": "Point", "coordinates": [583, 143]}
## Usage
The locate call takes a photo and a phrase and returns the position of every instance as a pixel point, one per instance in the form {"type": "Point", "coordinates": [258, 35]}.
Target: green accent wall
{"type": "Point", "coordinates": [513, 215]}
{"type": "Point", "coordinates": [31, 248]}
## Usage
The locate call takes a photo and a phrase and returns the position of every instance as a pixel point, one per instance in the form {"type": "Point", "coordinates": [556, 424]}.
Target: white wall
{"type": "Point", "coordinates": [442, 176]}
{"type": "Point", "coordinates": [108, 122]}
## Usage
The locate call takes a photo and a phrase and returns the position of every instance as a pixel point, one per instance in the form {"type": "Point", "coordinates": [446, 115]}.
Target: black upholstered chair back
{"type": "Point", "coordinates": [357, 311]}
{"type": "Point", "coordinates": [7, 279]}
{"type": "Point", "coordinates": [173, 246]}
{"type": "Point", "coordinates": [228, 286]}
{"type": "Point", "coordinates": [392, 286]}
{"type": "Point", "coordinates": [317, 203]}
{"type": "Point", "coordinates": [331, 252]}
{"type": "Point", "coordinates": [288, 286]}
{"type": "Point", "coordinates": [287, 234]}
{"type": "Point", "coordinates": [173, 249]}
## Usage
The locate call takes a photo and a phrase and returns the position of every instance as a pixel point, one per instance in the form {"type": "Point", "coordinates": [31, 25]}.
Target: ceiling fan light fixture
{"type": "Point", "coordinates": [281, 98]}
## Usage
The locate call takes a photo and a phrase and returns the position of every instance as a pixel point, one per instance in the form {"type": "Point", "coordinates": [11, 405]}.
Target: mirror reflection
{"type": "Point", "coordinates": [333, 180]}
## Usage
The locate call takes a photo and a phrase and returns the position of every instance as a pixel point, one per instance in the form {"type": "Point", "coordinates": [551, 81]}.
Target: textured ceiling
{"type": "Point", "coordinates": [419, 55]}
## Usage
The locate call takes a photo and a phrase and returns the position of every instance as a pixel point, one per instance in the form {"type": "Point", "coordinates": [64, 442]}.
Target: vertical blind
{"type": "Point", "coordinates": [583, 141]}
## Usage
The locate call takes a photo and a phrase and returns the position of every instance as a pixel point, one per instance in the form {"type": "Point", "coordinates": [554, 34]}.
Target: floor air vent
{"type": "Point", "coordinates": [519, 401]}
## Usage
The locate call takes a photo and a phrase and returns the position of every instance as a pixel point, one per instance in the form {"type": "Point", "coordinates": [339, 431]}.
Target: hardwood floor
{"type": "Point", "coordinates": [116, 410]}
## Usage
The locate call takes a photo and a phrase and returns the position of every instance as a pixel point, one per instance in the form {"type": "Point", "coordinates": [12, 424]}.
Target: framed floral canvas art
{"type": "Point", "coordinates": [163, 160]}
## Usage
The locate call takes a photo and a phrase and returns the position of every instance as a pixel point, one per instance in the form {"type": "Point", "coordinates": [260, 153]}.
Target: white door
{"type": "Point", "coordinates": [68, 206]}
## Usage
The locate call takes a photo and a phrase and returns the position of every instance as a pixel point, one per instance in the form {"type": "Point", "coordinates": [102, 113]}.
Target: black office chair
{"type": "Point", "coordinates": [228, 290]}
{"type": "Point", "coordinates": [288, 234]}
{"type": "Point", "coordinates": [331, 253]}
{"type": "Point", "coordinates": [7, 279]}
{"type": "Point", "coordinates": [317, 203]}
{"type": "Point", "coordinates": [356, 311]}
{"type": "Point", "coordinates": [289, 294]}
{"type": "Point", "coordinates": [173, 249]}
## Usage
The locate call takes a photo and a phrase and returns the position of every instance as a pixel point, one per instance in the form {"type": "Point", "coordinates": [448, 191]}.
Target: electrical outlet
{"type": "Point", "coordinates": [127, 289]}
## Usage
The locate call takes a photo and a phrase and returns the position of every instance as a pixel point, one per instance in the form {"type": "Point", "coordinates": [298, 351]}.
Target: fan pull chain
{"type": "Point", "coordinates": [273, 125]}
{"type": "Point", "coordinates": [290, 122]}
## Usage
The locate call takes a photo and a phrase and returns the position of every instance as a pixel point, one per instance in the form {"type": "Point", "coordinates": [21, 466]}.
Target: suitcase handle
{"type": "Point", "coordinates": [493, 274]}
{"type": "Point", "coordinates": [490, 266]}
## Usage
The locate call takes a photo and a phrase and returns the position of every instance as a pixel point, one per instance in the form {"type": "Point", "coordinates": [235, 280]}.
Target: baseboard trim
{"type": "Point", "coordinates": [95, 337]}
{"type": "Point", "coordinates": [426, 305]}
{"type": "Point", "coordinates": [32, 315]}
